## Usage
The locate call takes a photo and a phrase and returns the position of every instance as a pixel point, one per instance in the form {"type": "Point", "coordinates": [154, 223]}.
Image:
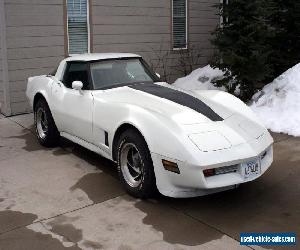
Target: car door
{"type": "Point", "coordinates": [72, 109]}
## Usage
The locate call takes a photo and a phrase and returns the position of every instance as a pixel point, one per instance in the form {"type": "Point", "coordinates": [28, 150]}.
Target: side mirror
{"type": "Point", "coordinates": [77, 85]}
{"type": "Point", "coordinates": [158, 75]}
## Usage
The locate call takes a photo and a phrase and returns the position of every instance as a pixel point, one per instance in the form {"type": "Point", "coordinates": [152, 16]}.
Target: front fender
{"type": "Point", "coordinates": [39, 85]}
{"type": "Point", "coordinates": [162, 134]}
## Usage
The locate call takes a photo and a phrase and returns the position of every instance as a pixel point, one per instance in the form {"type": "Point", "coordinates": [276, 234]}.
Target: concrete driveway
{"type": "Point", "coordinates": [70, 198]}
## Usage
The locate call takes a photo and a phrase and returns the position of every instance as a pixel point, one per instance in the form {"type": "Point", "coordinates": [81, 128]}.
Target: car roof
{"type": "Point", "coordinates": [99, 56]}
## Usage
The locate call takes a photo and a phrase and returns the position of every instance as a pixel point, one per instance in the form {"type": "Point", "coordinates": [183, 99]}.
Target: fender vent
{"type": "Point", "coordinates": [106, 139]}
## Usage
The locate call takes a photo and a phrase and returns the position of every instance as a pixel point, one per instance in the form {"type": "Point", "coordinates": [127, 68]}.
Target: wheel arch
{"type": "Point", "coordinates": [120, 130]}
{"type": "Point", "coordinates": [38, 96]}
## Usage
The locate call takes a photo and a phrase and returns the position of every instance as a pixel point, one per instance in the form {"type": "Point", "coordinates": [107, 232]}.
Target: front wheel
{"type": "Point", "coordinates": [135, 165]}
{"type": "Point", "coordinates": [46, 131]}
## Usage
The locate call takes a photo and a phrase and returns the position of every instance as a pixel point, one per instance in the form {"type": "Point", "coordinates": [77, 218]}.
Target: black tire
{"type": "Point", "coordinates": [147, 187]}
{"type": "Point", "coordinates": [51, 136]}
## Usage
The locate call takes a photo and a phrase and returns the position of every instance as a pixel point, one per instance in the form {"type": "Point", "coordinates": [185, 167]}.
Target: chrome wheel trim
{"type": "Point", "coordinates": [41, 123]}
{"type": "Point", "coordinates": [131, 165]}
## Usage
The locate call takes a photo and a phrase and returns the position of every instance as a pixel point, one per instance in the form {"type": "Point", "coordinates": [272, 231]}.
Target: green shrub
{"type": "Point", "coordinates": [257, 41]}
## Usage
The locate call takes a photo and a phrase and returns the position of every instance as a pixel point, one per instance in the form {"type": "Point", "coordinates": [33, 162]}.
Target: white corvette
{"type": "Point", "coordinates": [180, 143]}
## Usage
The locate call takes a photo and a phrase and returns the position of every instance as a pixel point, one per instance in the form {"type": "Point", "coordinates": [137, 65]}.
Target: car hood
{"type": "Point", "coordinates": [177, 112]}
{"type": "Point", "coordinates": [238, 124]}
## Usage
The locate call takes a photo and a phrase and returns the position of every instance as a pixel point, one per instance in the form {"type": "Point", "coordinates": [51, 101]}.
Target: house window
{"type": "Point", "coordinates": [223, 16]}
{"type": "Point", "coordinates": [78, 26]}
{"type": "Point", "coordinates": [179, 24]}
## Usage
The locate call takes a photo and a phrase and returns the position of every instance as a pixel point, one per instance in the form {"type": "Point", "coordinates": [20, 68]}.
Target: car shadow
{"type": "Point", "coordinates": [269, 204]}
{"type": "Point", "coordinates": [68, 147]}
{"type": "Point", "coordinates": [158, 214]}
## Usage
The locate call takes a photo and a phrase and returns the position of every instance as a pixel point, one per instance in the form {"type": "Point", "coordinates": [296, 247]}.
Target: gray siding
{"type": "Point", "coordinates": [1, 62]}
{"type": "Point", "coordinates": [35, 36]}
{"type": "Point", "coordinates": [131, 26]}
{"type": "Point", "coordinates": [1, 78]}
{"type": "Point", "coordinates": [35, 43]}
{"type": "Point", "coordinates": [144, 27]}
{"type": "Point", "coordinates": [4, 96]}
{"type": "Point", "coordinates": [203, 20]}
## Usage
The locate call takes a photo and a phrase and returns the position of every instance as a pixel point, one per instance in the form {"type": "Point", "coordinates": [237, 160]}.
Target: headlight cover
{"type": "Point", "coordinates": [210, 141]}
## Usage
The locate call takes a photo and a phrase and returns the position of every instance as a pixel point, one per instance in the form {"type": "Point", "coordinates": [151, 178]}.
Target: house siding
{"type": "Point", "coordinates": [1, 58]}
{"type": "Point", "coordinates": [35, 44]}
{"type": "Point", "coordinates": [4, 84]}
{"type": "Point", "coordinates": [140, 27]}
{"type": "Point", "coordinates": [36, 39]}
{"type": "Point", "coordinates": [144, 27]}
{"type": "Point", "coordinates": [1, 77]}
{"type": "Point", "coordinates": [203, 19]}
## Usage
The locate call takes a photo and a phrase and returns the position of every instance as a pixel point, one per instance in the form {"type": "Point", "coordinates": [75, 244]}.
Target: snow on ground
{"type": "Point", "coordinates": [278, 104]}
{"type": "Point", "coordinates": [200, 79]}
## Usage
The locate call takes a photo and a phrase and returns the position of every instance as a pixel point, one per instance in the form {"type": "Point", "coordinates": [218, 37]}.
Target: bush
{"type": "Point", "coordinates": [258, 41]}
{"type": "Point", "coordinates": [285, 20]}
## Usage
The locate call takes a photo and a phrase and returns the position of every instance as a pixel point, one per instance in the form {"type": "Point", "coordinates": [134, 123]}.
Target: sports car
{"type": "Point", "coordinates": [180, 143]}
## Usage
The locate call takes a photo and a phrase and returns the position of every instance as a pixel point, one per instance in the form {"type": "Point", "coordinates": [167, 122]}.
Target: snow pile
{"type": "Point", "coordinates": [278, 104]}
{"type": "Point", "coordinates": [200, 79]}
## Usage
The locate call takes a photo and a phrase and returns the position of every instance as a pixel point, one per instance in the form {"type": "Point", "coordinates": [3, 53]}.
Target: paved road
{"type": "Point", "coordinates": [70, 198]}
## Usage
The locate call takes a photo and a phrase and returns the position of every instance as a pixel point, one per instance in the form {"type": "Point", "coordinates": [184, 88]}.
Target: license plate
{"type": "Point", "coordinates": [251, 169]}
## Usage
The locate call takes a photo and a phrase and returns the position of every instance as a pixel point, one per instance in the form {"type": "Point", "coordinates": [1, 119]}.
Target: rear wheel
{"type": "Point", "coordinates": [46, 131]}
{"type": "Point", "coordinates": [135, 165]}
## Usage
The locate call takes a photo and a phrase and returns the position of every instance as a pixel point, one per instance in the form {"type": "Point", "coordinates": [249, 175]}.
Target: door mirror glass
{"type": "Point", "coordinates": [77, 85]}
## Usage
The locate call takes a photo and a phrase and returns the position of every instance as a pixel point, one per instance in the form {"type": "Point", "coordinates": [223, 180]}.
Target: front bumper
{"type": "Point", "coordinates": [191, 181]}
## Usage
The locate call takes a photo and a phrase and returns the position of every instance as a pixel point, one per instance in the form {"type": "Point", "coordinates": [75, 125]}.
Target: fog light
{"type": "Point", "coordinates": [209, 172]}
{"type": "Point", "coordinates": [171, 166]}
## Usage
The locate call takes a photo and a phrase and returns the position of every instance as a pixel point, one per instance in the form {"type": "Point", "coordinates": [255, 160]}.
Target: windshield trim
{"type": "Point", "coordinates": [123, 85]}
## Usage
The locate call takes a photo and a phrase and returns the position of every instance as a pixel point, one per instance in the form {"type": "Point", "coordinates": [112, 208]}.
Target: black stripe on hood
{"type": "Point", "coordinates": [178, 97]}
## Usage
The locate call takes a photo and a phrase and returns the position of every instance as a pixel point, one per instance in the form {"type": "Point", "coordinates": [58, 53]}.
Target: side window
{"type": "Point", "coordinates": [76, 71]}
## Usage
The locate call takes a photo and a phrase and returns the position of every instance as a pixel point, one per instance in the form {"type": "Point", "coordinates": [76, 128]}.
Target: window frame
{"type": "Point", "coordinates": [186, 26]}
{"type": "Point", "coordinates": [88, 18]}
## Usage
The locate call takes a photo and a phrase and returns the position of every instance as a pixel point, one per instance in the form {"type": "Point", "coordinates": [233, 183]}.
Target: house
{"type": "Point", "coordinates": [36, 35]}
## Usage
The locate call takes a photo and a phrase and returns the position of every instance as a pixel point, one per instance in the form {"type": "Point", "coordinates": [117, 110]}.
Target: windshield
{"type": "Point", "coordinates": [115, 72]}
